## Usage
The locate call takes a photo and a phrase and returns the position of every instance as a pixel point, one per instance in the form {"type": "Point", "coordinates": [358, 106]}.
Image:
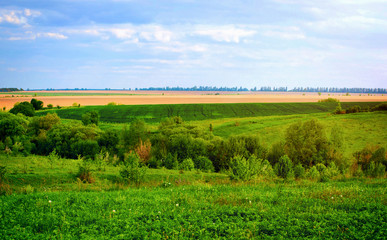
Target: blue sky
{"type": "Point", "coordinates": [157, 43]}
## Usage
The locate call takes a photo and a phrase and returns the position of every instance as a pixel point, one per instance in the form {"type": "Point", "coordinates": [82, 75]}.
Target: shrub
{"type": "Point", "coordinates": [154, 163]}
{"type": "Point", "coordinates": [50, 106]}
{"type": "Point", "coordinates": [313, 173]}
{"type": "Point", "coordinates": [132, 170]}
{"type": "Point", "coordinates": [284, 167]}
{"type": "Point", "coordinates": [246, 169]}
{"type": "Point", "coordinates": [204, 164]}
{"type": "Point", "coordinates": [143, 150]}
{"type": "Point", "coordinates": [171, 162]}
{"type": "Point", "coordinates": [53, 158]}
{"type": "Point", "coordinates": [299, 171]}
{"type": "Point", "coordinates": [85, 171]}
{"type": "Point", "coordinates": [329, 100]}
{"type": "Point", "coordinates": [187, 164]}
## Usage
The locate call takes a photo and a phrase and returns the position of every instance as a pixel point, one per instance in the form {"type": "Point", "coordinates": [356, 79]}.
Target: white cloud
{"type": "Point", "coordinates": [225, 33]}
{"type": "Point", "coordinates": [17, 17]}
{"type": "Point", "coordinates": [122, 33]}
{"type": "Point", "coordinates": [289, 33]}
{"type": "Point", "coordinates": [52, 35]}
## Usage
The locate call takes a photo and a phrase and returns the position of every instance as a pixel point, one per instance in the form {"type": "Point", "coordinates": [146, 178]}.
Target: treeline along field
{"type": "Point", "coordinates": [194, 112]}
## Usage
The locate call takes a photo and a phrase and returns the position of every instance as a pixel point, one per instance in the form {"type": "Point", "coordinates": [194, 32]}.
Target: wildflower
{"type": "Point", "coordinates": [159, 212]}
{"type": "Point", "coordinates": [49, 201]}
{"type": "Point", "coordinates": [332, 197]}
{"type": "Point", "coordinates": [114, 211]}
{"type": "Point", "coordinates": [177, 204]}
{"type": "Point", "coordinates": [341, 195]}
{"type": "Point", "coordinates": [250, 201]}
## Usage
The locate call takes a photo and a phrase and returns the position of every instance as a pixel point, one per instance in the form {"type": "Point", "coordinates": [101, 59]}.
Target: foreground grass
{"type": "Point", "coordinates": [302, 210]}
{"type": "Point", "coordinates": [50, 203]}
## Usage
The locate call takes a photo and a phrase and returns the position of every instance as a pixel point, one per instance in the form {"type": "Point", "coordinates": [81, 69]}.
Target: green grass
{"type": "Point", "coordinates": [359, 129]}
{"type": "Point", "coordinates": [352, 209]}
{"type": "Point", "coordinates": [195, 112]}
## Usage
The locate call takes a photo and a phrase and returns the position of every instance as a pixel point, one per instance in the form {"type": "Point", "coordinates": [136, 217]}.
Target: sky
{"type": "Point", "coordinates": [157, 43]}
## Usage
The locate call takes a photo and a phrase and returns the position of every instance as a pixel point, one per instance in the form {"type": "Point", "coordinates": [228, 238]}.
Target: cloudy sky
{"type": "Point", "coordinates": [157, 43]}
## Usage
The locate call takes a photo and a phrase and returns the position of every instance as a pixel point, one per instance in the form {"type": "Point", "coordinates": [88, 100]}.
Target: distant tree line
{"type": "Point", "coordinates": [10, 89]}
{"type": "Point", "coordinates": [269, 89]}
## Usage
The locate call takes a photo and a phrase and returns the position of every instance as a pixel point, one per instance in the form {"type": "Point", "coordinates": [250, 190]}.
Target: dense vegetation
{"type": "Point", "coordinates": [314, 178]}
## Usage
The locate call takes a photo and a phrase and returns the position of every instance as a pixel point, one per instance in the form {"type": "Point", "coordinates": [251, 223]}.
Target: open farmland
{"type": "Point", "coordinates": [85, 98]}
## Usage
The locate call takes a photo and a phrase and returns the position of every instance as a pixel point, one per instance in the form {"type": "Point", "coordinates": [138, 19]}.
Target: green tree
{"type": "Point", "coordinates": [91, 117]}
{"type": "Point", "coordinates": [37, 104]}
{"type": "Point", "coordinates": [25, 108]}
{"type": "Point", "coordinates": [284, 167]}
{"type": "Point", "coordinates": [306, 143]}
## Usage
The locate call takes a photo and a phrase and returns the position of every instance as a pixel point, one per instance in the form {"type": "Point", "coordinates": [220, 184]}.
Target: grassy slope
{"type": "Point", "coordinates": [191, 112]}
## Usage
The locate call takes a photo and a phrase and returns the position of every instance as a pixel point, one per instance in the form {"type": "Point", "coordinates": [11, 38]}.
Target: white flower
{"type": "Point", "coordinates": [159, 212]}
{"type": "Point", "coordinates": [341, 195]}
{"type": "Point", "coordinates": [177, 204]}
{"type": "Point", "coordinates": [49, 201]}
{"type": "Point", "coordinates": [114, 211]}
{"type": "Point", "coordinates": [332, 197]}
{"type": "Point", "coordinates": [250, 201]}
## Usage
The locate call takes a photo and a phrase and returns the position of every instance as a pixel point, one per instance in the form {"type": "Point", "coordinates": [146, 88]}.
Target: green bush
{"type": "Point", "coordinates": [313, 173]}
{"type": "Point", "coordinates": [171, 162]}
{"type": "Point", "coordinates": [85, 171]}
{"type": "Point", "coordinates": [204, 164]}
{"type": "Point", "coordinates": [154, 162]}
{"type": "Point", "coordinates": [299, 171]}
{"type": "Point", "coordinates": [187, 164]}
{"type": "Point", "coordinates": [284, 167]}
{"type": "Point", "coordinates": [132, 170]}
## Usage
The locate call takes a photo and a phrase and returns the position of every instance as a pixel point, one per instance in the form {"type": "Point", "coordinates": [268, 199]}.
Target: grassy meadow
{"type": "Point", "coordinates": [43, 198]}
{"type": "Point", "coordinates": [49, 202]}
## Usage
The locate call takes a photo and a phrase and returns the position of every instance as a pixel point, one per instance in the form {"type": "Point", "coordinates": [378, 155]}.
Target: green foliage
{"type": "Point", "coordinates": [109, 140]}
{"type": "Point", "coordinates": [247, 169]}
{"type": "Point", "coordinates": [24, 108]}
{"type": "Point", "coordinates": [50, 106]}
{"type": "Point", "coordinates": [12, 126]}
{"type": "Point", "coordinates": [91, 117]}
{"type": "Point", "coordinates": [276, 152]}
{"type": "Point", "coordinates": [171, 162]}
{"type": "Point", "coordinates": [3, 172]}
{"type": "Point", "coordinates": [203, 163]}
{"type": "Point", "coordinates": [299, 171]}
{"type": "Point", "coordinates": [284, 167]}
{"type": "Point", "coordinates": [37, 104]}
{"type": "Point", "coordinates": [313, 173]}
{"type": "Point", "coordinates": [306, 143]}
{"type": "Point", "coordinates": [71, 139]}
{"type": "Point", "coordinates": [380, 107]}
{"type": "Point", "coordinates": [53, 158]}
{"type": "Point", "coordinates": [136, 133]}
{"type": "Point", "coordinates": [353, 109]}
{"type": "Point", "coordinates": [187, 164]}
{"type": "Point", "coordinates": [338, 109]}
{"type": "Point", "coordinates": [132, 171]}
{"type": "Point", "coordinates": [372, 161]}
{"type": "Point", "coordinates": [335, 100]}
{"type": "Point", "coordinates": [85, 173]}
